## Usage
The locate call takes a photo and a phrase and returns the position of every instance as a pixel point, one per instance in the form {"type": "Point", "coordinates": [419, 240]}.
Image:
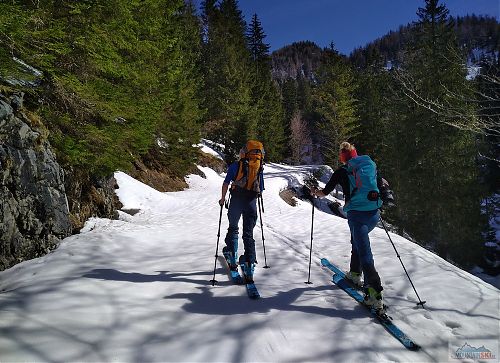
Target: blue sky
{"type": "Point", "coordinates": [346, 23]}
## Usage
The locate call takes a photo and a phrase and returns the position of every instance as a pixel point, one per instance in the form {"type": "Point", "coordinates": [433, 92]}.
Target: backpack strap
{"type": "Point", "coordinates": [242, 171]}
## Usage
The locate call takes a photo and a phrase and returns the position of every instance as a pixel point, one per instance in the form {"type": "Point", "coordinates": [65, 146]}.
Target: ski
{"type": "Point", "coordinates": [235, 275]}
{"type": "Point", "coordinates": [238, 279]}
{"type": "Point", "coordinates": [340, 280]}
{"type": "Point", "coordinates": [252, 291]}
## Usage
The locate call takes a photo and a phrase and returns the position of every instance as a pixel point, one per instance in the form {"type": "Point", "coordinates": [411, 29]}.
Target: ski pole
{"type": "Point", "coordinates": [420, 302]}
{"type": "Point", "coordinates": [262, 230]}
{"type": "Point", "coordinates": [214, 281]}
{"type": "Point", "coordinates": [311, 248]}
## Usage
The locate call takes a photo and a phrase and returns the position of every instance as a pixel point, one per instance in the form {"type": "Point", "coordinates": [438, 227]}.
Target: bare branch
{"type": "Point", "coordinates": [480, 121]}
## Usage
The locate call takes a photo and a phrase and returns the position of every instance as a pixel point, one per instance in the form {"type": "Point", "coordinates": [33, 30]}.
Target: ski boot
{"type": "Point", "coordinates": [248, 269]}
{"type": "Point", "coordinates": [374, 299]}
{"type": "Point", "coordinates": [354, 278]}
{"type": "Point", "coordinates": [231, 258]}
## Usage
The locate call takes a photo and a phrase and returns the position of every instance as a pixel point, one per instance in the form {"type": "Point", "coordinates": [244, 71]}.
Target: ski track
{"type": "Point", "coordinates": [138, 289]}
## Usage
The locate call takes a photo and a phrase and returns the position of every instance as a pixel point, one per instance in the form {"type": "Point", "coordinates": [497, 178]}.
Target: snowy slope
{"type": "Point", "coordinates": [137, 290]}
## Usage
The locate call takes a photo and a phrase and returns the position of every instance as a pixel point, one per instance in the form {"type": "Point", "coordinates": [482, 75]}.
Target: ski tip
{"type": "Point", "coordinates": [414, 346]}
{"type": "Point", "coordinates": [324, 261]}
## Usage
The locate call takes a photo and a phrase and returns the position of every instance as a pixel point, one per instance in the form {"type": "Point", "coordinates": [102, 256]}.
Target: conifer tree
{"type": "Point", "coordinates": [270, 120]}
{"type": "Point", "coordinates": [289, 103]}
{"type": "Point", "coordinates": [304, 95]}
{"type": "Point", "coordinates": [437, 175]}
{"type": "Point", "coordinates": [335, 104]}
{"type": "Point", "coordinates": [374, 111]}
{"type": "Point", "coordinates": [259, 50]}
{"type": "Point", "coordinates": [213, 62]}
{"type": "Point", "coordinates": [267, 108]}
{"type": "Point", "coordinates": [228, 74]}
{"type": "Point", "coordinates": [183, 113]}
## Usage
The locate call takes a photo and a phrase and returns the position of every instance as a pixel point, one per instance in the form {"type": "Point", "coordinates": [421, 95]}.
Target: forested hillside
{"type": "Point", "coordinates": [126, 85]}
{"type": "Point", "coordinates": [296, 60]}
{"type": "Point", "coordinates": [408, 99]}
{"type": "Point", "coordinates": [116, 77]}
{"type": "Point", "coordinates": [477, 36]}
{"type": "Point", "coordinates": [239, 96]}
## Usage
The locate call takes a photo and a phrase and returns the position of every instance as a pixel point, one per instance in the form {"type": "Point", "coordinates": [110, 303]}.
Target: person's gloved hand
{"type": "Point", "coordinates": [308, 192]}
{"type": "Point", "coordinates": [221, 202]}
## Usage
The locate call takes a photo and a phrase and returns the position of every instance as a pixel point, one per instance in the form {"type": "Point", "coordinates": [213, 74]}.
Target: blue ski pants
{"type": "Point", "coordinates": [361, 223]}
{"type": "Point", "coordinates": [242, 204]}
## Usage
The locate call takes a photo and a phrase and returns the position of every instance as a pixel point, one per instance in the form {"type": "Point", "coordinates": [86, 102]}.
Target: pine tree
{"type": "Point", "coordinates": [304, 95]}
{"type": "Point", "coordinates": [434, 30]}
{"type": "Point", "coordinates": [259, 50]}
{"type": "Point", "coordinates": [289, 99]}
{"type": "Point", "coordinates": [267, 108]}
{"type": "Point", "coordinates": [374, 110]}
{"type": "Point", "coordinates": [438, 176]}
{"type": "Point", "coordinates": [228, 74]}
{"type": "Point", "coordinates": [335, 104]}
{"type": "Point", "coordinates": [270, 121]}
{"type": "Point", "coordinates": [183, 113]}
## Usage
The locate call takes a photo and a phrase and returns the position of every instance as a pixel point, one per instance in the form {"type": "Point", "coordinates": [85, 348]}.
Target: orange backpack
{"type": "Point", "coordinates": [250, 167]}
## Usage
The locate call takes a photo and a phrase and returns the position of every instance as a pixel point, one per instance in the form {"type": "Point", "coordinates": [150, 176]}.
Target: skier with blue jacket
{"type": "Point", "coordinates": [358, 179]}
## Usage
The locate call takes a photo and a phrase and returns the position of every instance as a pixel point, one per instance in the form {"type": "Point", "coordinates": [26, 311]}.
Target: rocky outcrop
{"type": "Point", "coordinates": [90, 196]}
{"type": "Point", "coordinates": [34, 213]}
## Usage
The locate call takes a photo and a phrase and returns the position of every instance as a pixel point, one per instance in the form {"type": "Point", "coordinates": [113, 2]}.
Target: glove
{"type": "Point", "coordinates": [387, 198]}
{"type": "Point", "coordinates": [308, 193]}
{"type": "Point", "coordinates": [221, 202]}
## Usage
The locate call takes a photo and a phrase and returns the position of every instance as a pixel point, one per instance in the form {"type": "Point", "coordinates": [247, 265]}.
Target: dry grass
{"type": "Point", "coordinates": [157, 176]}
{"type": "Point", "coordinates": [212, 162]}
{"type": "Point", "coordinates": [159, 179]}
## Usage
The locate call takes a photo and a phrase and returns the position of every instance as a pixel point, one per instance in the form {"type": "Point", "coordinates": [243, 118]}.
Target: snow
{"type": "Point", "coordinates": [137, 289]}
{"type": "Point", "coordinates": [28, 70]}
{"type": "Point", "coordinates": [212, 148]}
{"type": "Point", "coordinates": [208, 150]}
{"type": "Point", "coordinates": [472, 72]}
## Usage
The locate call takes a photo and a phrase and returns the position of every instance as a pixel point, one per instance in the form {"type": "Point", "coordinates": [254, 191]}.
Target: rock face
{"type": "Point", "coordinates": [90, 196]}
{"type": "Point", "coordinates": [34, 211]}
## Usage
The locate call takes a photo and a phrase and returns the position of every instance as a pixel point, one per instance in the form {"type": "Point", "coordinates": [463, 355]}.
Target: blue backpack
{"type": "Point", "coordinates": [365, 195]}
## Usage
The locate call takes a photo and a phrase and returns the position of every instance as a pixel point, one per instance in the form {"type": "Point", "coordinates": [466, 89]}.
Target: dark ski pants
{"type": "Point", "coordinates": [246, 206]}
{"type": "Point", "coordinates": [361, 223]}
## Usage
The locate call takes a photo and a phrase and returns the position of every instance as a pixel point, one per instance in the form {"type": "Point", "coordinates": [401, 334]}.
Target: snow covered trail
{"type": "Point", "coordinates": [137, 289]}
